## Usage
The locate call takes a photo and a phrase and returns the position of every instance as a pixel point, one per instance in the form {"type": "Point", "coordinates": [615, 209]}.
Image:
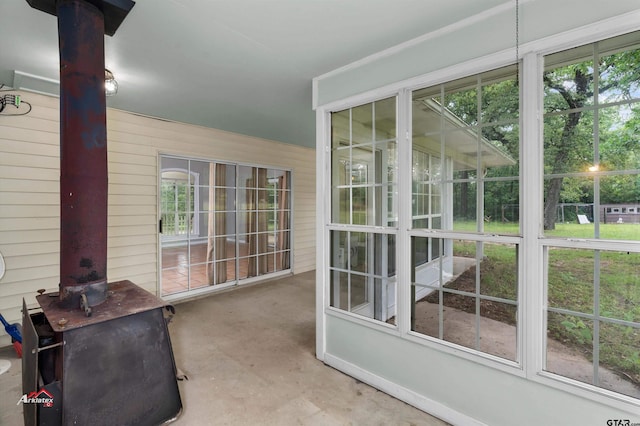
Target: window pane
{"type": "Point", "coordinates": [387, 192]}
{"type": "Point", "coordinates": [204, 194]}
{"type": "Point", "coordinates": [619, 347]}
{"type": "Point", "coordinates": [226, 248]}
{"type": "Point", "coordinates": [201, 169]}
{"type": "Point", "coordinates": [339, 290]}
{"type": "Point", "coordinates": [501, 207]}
{"type": "Point", "coordinates": [500, 97]}
{"type": "Point", "coordinates": [498, 337]}
{"type": "Point", "coordinates": [459, 325]}
{"type": "Point", "coordinates": [201, 224]}
{"type": "Point", "coordinates": [361, 128]}
{"type": "Point", "coordinates": [342, 205]}
{"type": "Point", "coordinates": [456, 302]}
{"type": "Point", "coordinates": [201, 275]}
{"type": "Point", "coordinates": [246, 177]}
{"type": "Point", "coordinates": [385, 119]}
{"type": "Point", "coordinates": [225, 199]}
{"type": "Point", "coordinates": [568, 353]}
{"type": "Point", "coordinates": [340, 129]}
{"type": "Point", "coordinates": [499, 275]}
{"type": "Point", "coordinates": [225, 175]}
{"type": "Point", "coordinates": [568, 142]}
{"type": "Point", "coordinates": [570, 279]}
{"type": "Point", "coordinates": [461, 99]}
{"type": "Point", "coordinates": [568, 79]}
{"type": "Point", "coordinates": [619, 210]}
{"type": "Point", "coordinates": [592, 317]}
{"type": "Point", "coordinates": [464, 205]}
{"type": "Point", "coordinates": [358, 251]}
{"type": "Point", "coordinates": [500, 157]}
{"type": "Point", "coordinates": [339, 249]}
{"type": "Point", "coordinates": [368, 289]}
{"type": "Point", "coordinates": [620, 286]}
{"type": "Point", "coordinates": [284, 199]}
{"type": "Point", "coordinates": [358, 291]}
{"type": "Point", "coordinates": [364, 165]}
{"type": "Point", "coordinates": [615, 216]}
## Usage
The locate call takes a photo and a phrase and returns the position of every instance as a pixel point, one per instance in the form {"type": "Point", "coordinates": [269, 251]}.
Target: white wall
{"type": "Point", "coordinates": [460, 391]}
{"type": "Point", "coordinates": [29, 195]}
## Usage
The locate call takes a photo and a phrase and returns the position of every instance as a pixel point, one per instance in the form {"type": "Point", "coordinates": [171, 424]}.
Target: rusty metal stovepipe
{"type": "Point", "coordinates": [83, 155]}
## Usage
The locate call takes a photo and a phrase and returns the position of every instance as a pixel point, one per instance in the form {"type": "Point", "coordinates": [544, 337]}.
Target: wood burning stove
{"type": "Point", "coordinates": [95, 353]}
{"type": "Point", "coordinates": [115, 367]}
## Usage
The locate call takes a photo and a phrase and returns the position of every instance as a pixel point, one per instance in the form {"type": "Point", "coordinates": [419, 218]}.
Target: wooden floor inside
{"type": "Point", "coordinates": [184, 268]}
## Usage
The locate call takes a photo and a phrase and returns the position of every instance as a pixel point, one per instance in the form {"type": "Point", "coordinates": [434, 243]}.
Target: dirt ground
{"type": "Point", "coordinates": [498, 335]}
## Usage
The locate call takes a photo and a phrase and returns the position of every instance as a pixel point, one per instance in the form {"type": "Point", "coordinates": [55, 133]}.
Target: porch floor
{"type": "Point", "coordinates": [249, 356]}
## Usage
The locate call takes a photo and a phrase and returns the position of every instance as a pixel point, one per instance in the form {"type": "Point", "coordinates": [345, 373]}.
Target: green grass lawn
{"type": "Point", "coordinates": [612, 231]}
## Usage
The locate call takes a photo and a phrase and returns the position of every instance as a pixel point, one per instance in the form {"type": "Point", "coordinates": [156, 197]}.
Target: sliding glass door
{"type": "Point", "coordinates": [221, 223]}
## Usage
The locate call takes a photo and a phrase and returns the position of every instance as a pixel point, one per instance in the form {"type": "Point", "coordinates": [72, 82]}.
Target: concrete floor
{"type": "Point", "coordinates": [249, 356]}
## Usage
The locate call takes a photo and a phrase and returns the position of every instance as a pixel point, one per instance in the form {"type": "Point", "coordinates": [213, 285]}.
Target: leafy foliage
{"type": "Point", "coordinates": [591, 117]}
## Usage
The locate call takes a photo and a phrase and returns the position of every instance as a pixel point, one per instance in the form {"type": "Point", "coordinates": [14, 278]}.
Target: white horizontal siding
{"type": "Point", "coordinates": [26, 249]}
{"type": "Point", "coordinates": [29, 194]}
{"type": "Point", "coordinates": [8, 171]}
{"type": "Point", "coordinates": [28, 186]}
{"type": "Point", "coordinates": [131, 230]}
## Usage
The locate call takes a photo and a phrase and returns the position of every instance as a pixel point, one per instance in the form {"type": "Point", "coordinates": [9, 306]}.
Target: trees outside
{"type": "Point", "coordinates": [490, 107]}
{"type": "Point", "coordinates": [591, 146]}
{"type": "Point", "coordinates": [591, 120]}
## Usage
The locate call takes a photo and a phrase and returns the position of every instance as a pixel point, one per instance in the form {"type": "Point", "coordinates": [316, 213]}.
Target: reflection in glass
{"type": "Point", "coordinates": [203, 217]}
{"type": "Point", "coordinates": [364, 164]}
{"type": "Point", "coordinates": [362, 267]}
{"type": "Point", "coordinates": [465, 140]}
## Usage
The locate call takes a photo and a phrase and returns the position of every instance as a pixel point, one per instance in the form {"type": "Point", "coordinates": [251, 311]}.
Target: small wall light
{"type": "Point", "coordinates": [110, 83]}
{"type": "Point", "coordinates": [594, 168]}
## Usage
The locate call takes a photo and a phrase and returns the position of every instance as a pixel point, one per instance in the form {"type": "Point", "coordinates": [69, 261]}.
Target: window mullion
{"type": "Point", "coordinates": [531, 316]}
{"type": "Point", "coordinates": [405, 197]}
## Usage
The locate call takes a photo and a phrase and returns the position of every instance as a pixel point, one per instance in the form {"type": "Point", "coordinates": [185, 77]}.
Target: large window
{"type": "Point", "coordinates": [465, 148]}
{"type": "Point", "coordinates": [592, 194]}
{"type": "Point", "coordinates": [222, 223]}
{"type": "Point", "coordinates": [364, 210]}
{"type": "Point", "coordinates": [517, 248]}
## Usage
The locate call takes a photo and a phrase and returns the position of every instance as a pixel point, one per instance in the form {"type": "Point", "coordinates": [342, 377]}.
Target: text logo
{"type": "Point", "coordinates": [40, 397]}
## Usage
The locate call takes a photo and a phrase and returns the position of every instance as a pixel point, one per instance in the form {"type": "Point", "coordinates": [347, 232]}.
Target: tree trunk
{"type": "Point", "coordinates": [551, 203]}
{"type": "Point", "coordinates": [560, 165]}
{"type": "Point", "coordinates": [566, 144]}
